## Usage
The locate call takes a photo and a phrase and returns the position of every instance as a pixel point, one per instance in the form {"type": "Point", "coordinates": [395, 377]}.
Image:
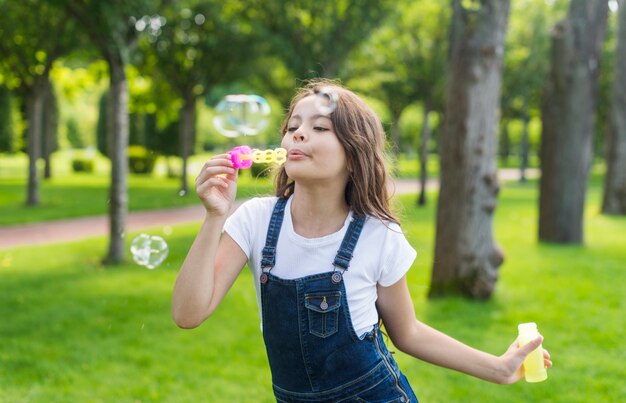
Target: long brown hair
{"type": "Point", "coordinates": [362, 136]}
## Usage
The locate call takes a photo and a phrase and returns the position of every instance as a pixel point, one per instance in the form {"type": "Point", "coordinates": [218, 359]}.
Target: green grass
{"type": "Point", "coordinates": [69, 194]}
{"type": "Point", "coordinates": [74, 331]}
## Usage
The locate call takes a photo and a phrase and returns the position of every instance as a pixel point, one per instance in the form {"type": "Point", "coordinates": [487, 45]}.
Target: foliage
{"type": "Point", "coordinates": [404, 61]}
{"type": "Point", "coordinates": [27, 47]}
{"type": "Point", "coordinates": [81, 333]}
{"type": "Point", "coordinates": [140, 160]}
{"type": "Point", "coordinates": [83, 164]}
{"type": "Point", "coordinates": [73, 134]}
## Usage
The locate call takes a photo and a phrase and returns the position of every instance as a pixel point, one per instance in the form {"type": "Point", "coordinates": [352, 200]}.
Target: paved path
{"type": "Point", "coordinates": [79, 228]}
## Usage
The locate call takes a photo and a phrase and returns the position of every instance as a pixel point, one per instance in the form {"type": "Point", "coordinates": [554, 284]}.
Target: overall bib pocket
{"type": "Point", "coordinates": [323, 311]}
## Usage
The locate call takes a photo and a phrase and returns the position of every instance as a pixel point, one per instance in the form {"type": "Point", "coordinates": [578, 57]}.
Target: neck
{"type": "Point", "coordinates": [317, 212]}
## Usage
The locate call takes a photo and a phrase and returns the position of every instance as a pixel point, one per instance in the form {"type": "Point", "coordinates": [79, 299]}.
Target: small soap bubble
{"type": "Point", "coordinates": [326, 100]}
{"type": "Point", "coordinates": [241, 114]}
{"type": "Point", "coordinates": [149, 250]}
{"type": "Point", "coordinates": [182, 192]}
{"type": "Point", "coordinates": [167, 230]}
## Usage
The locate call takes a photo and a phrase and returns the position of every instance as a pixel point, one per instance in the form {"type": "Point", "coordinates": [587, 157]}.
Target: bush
{"type": "Point", "coordinates": [140, 160]}
{"type": "Point", "coordinates": [82, 164]}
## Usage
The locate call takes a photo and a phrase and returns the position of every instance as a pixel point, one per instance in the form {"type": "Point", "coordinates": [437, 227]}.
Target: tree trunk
{"type": "Point", "coordinates": [50, 119]}
{"type": "Point", "coordinates": [614, 201]}
{"type": "Point", "coordinates": [423, 154]}
{"type": "Point", "coordinates": [504, 149]}
{"type": "Point", "coordinates": [466, 256]}
{"type": "Point", "coordinates": [34, 104]}
{"type": "Point", "coordinates": [187, 128]}
{"type": "Point", "coordinates": [524, 143]}
{"type": "Point", "coordinates": [118, 133]}
{"type": "Point", "coordinates": [568, 111]}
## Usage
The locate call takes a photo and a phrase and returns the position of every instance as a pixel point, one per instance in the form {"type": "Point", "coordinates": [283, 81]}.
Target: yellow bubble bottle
{"type": "Point", "coordinates": [534, 369]}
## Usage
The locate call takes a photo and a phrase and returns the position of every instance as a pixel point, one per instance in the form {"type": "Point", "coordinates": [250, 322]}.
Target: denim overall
{"type": "Point", "coordinates": [314, 353]}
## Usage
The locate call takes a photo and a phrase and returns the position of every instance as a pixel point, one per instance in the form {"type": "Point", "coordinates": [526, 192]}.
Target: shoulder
{"type": "Point", "coordinates": [388, 238]}
{"type": "Point", "coordinates": [382, 229]}
{"type": "Point", "coordinates": [390, 251]}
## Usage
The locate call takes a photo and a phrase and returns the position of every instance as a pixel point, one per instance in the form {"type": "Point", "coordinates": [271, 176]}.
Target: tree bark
{"type": "Point", "coordinates": [568, 111]}
{"type": "Point", "coordinates": [524, 143]}
{"type": "Point", "coordinates": [466, 256]}
{"type": "Point", "coordinates": [50, 119]}
{"type": "Point", "coordinates": [118, 133]}
{"type": "Point", "coordinates": [187, 129]}
{"type": "Point", "coordinates": [614, 201]}
{"type": "Point", "coordinates": [423, 154]}
{"type": "Point", "coordinates": [34, 105]}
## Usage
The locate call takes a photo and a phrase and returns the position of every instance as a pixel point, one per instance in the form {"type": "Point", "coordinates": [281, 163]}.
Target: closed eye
{"type": "Point", "coordinates": [320, 129]}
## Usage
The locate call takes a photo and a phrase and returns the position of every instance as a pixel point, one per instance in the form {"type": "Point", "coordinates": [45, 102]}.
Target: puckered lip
{"type": "Point", "coordinates": [296, 153]}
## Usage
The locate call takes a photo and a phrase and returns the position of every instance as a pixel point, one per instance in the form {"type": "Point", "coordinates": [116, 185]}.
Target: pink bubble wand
{"type": "Point", "coordinates": [243, 156]}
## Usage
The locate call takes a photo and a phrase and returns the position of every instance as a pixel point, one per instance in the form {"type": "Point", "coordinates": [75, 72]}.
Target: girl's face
{"type": "Point", "coordinates": [314, 152]}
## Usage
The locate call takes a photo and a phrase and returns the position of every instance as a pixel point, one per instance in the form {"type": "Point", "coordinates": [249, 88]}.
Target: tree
{"type": "Point", "coordinates": [111, 26]}
{"type": "Point", "coordinates": [49, 126]}
{"type": "Point", "coordinates": [525, 69]}
{"type": "Point", "coordinates": [6, 125]}
{"type": "Point", "coordinates": [28, 50]}
{"type": "Point", "coordinates": [197, 45]}
{"type": "Point", "coordinates": [568, 110]}
{"type": "Point", "coordinates": [466, 257]}
{"type": "Point", "coordinates": [402, 63]}
{"type": "Point", "coordinates": [614, 201]}
{"type": "Point", "coordinates": [314, 39]}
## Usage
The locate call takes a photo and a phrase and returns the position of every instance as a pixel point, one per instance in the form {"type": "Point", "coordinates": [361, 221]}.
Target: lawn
{"type": "Point", "coordinates": [69, 194]}
{"type": "Point", "coordinates": [74, 331]}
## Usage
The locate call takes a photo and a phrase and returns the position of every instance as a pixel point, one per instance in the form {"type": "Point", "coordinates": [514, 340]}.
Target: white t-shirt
{"type": "Point", "coordinates": [382, 255]}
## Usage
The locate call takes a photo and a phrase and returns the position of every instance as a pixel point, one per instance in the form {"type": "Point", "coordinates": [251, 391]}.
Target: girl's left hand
{"type": "Point", "coordinates": [514, 357]}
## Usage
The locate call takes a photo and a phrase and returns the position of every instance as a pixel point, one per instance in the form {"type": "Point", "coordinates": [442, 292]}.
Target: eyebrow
{"type": "Point", "coordinates": [319, 115]}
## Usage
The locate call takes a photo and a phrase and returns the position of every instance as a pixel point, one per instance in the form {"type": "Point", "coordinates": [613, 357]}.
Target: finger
{"type": "Point", "coordinates": [212, 171]}
{"type": "Point", "coordinates": [547, 362]}
{"type": "Point", "coordinates": [222, 159]}
{"type": "Point", "coordinates": [530, 346]}
{"type": "Point", "coordinates": [204, 188]}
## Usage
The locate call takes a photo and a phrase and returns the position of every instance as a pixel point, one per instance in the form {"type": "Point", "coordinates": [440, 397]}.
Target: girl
{"type": "Point", "coordinates": [329, 261]}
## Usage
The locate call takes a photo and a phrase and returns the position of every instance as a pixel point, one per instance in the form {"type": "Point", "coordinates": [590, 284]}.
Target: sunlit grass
{"type": "Point", "coordinates": [73, 330]}
{"type": "Point", "coordinates": [75, 195]}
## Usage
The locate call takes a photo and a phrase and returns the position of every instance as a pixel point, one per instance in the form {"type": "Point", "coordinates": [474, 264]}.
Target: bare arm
{"type": "Point", "coordinates": [422, 341]}
{"type": "Point", "coordinates": [214, 260]}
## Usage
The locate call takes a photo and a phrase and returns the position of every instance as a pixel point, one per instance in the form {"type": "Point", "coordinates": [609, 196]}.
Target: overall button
{"type": "Point", "coordinates": [324, 305]}
{"type": "Point", "coordinates": [336, 277]}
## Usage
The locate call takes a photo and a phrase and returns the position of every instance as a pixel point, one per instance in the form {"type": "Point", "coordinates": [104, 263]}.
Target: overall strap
{"type": "Point", "coordinates": [273, 230]}
{"type": "Point", "coordinates": [344, 254]}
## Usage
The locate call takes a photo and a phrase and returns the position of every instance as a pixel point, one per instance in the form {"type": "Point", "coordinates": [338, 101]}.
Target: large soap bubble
{"type": "Point", "coordinates": [149, 250]}
{"type": "Point", "coordinates": [326, 100]}
{"type": "Point", "coordinates": [240, 114]}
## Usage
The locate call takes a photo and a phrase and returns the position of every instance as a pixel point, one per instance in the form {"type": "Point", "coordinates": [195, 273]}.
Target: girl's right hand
{"type": "Point", "coordinates": [216, 184]}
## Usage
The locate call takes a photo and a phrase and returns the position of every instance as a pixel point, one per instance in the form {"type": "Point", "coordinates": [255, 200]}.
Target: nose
{"type": "Point", "coordinates": [298, 135]}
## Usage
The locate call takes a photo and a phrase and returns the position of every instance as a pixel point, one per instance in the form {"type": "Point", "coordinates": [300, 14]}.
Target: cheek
{"type": "Point", "coordinates": [335, 157]}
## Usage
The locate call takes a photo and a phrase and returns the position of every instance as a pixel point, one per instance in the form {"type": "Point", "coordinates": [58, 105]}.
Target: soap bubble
{"type": "Point", "coordinates": [241, 115]}
{"type": "Point", "coordinates": [326, 100]}
{"type": "Point", "coordinates": [149, 250]}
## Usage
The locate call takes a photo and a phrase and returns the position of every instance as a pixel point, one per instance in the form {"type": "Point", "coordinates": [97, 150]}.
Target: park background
{"type": "Point", "coordinates": [82, 322]}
